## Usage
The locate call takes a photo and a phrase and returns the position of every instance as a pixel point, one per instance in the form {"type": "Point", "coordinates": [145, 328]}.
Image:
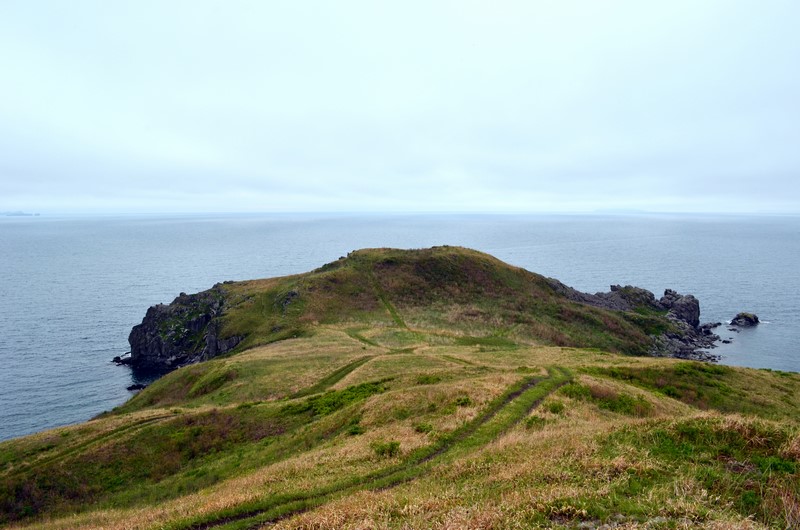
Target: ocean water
{"type": "Point", "coordinates": [71, 288]}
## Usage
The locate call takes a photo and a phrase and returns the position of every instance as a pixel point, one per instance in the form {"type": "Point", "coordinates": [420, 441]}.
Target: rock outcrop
{"type": "Point", "coordinates": [686, 339]}
{"type": "Point", "coordinates": [745, 320]}
{"type": "Point", "coordinates": [183, 332]}
{"type": "Point", "coordinates": [682, 307]}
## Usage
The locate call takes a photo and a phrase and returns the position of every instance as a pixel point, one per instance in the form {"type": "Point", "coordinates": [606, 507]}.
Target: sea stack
{"type": "Point", "coordinates": [745, 320]}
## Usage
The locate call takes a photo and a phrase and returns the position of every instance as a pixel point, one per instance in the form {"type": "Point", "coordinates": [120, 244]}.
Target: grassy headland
{"type": "Point", "coordinates": [435, 388]}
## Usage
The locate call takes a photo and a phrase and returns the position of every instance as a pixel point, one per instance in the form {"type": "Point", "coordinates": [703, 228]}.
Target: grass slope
{"type": "Point", "coordinates": [422, 390]}
{"type": "Point", "coordinates": [452, 292]}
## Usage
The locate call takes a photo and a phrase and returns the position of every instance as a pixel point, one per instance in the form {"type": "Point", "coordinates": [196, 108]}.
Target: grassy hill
{"type": "Point", "coordinates": [438, 388]}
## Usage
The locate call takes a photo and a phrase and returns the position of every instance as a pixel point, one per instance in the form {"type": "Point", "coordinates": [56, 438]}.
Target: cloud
{"type": "Point", "coordinates": [470, 106]}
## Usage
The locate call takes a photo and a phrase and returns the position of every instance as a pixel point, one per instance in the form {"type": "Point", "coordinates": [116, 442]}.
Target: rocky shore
{"type": "Point", "coordinates": [687, 338]}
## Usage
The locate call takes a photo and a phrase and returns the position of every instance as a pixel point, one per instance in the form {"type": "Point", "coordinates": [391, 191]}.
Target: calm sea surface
{"type": "Point", "coordinates": [72, 288]}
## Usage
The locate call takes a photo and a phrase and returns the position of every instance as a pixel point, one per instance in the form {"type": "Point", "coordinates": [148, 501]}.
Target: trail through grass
{"type": "Point", "coordinates": [333, 378]}
{"type": "Point", "coordinates": [496, 418]}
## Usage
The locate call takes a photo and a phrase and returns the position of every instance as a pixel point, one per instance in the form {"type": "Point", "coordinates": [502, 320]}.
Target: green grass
{"type": "Point", "coordinates": [714, 387]}
{"type": "Point", "coordinates": [738, 461]}
{"type": "Point", "coordinates": [609, 399]}
{"type": "Point", "coordinates": [333, 378]}
{"type": "Point", "coordinates": [334, 400]}
{"type": "Point", "coordinates": [173, 450]}
{"type": "Point", "coordinates": [443, 287]}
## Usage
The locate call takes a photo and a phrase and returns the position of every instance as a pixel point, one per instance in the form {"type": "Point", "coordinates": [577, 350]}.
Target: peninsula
{"type": "Point", "coordinates": [433, 388]}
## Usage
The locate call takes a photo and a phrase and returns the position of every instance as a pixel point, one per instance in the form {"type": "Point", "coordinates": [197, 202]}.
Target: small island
{"type": "Point", "coordinates": [423, 388]}
{"type": "Point", "coordinates": [18, 213]}
{"type": "Point", "coordinates": [745, 320]}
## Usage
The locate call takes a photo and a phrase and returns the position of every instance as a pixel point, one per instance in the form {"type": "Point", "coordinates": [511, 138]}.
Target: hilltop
{"type": "Point", "coordinates": [452, 292]}
{"type": "Point", "coordinates": [437, 388]}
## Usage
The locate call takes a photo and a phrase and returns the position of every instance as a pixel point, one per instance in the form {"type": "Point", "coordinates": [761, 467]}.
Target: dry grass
{"type": "Point", "coordinates": [518, 478]}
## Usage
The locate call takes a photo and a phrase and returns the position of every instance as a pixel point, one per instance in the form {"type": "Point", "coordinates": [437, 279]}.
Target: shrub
{"type": "Point", "coordinates": [354, 429]}
{"type": "Point", "coordinates": [388, 449]}
{"type": "Point", "coordinates": [555, 407]}
{"type": "Point", "coordinates": [423, 428]}
{"type": "Point", "coordinates": [576, 391]}
{"type": "Point", "coordinates": [463, 401]}
{"type": "Point", "coordinates": [535, 422]}
{"type": "Point", "coordinates": [428, 379]}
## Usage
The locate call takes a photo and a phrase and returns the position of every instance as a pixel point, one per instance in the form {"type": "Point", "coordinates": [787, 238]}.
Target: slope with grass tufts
{"type": "Point", "coordinates": [423, 389]}
{"type": "Point", "coordinates": [459, 293]}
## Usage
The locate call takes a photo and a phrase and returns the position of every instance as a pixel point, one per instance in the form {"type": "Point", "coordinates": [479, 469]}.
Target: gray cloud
{"type": "Point", "coordinates": [470, 106]}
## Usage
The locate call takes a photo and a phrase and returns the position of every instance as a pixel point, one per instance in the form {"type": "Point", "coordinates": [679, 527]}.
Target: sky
{"type": "Point", "coordinates": [414, 106]}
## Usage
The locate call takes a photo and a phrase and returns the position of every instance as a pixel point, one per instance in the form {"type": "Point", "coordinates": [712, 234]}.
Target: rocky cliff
{"type": "Point", "coordinates": [184, 332]}
{"type": "Point", "coordinates": [685, 338]}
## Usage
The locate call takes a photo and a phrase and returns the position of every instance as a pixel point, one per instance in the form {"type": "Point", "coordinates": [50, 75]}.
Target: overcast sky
{"type": "Point", "coordinates": [497, 106]}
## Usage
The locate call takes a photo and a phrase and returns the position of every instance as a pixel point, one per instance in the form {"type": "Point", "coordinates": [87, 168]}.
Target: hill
{"type": "Point", "coordinates": [455, 293]}
{"type": "Point", "coordinates": [432, 388]}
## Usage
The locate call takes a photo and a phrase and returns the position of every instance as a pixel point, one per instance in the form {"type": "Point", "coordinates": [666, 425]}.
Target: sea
{"type": "Point", "coordinates": [72, 287]}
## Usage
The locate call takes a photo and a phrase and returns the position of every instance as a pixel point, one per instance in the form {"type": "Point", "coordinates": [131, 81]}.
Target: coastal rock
{"type": "Point", "coordinates": [745, 320]}
{"type": "Point", "coordinates": [686, 339]}
{"type": "Point", "coordinates": [184, 332]}
{"type": "Point", "coordinates": [706, 329]}
{"type": "Point", "coordinates": [619, 298]}
{"type": "Point", "coordinates": [122, 360]}
{"type": "Point", "coordinates": [681, 307]}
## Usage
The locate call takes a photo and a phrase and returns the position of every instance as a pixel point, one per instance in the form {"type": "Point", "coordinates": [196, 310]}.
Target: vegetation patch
{"type": "Point", "coordinates": [386, 449]}
{"type": "Point", "coordinates": [211, 381]}
{"type": "Point", "coordinates": [710, 386]}
{"type": "Point", "coordinates": [333, 400]}
{"type": "Point", "coordinates": [737, 461]}
{"type": "Point", "coordinates": [535, 422]}
{"type": "Point", "coordinates": [423, 428]}
{"type": "Point", "coordinates": [181, 385]}
{"type": "Point", "coordinates": [428, 379]}
{"type": "Point", "coordinates": [609, 399]}
{"type": "Point", "coordinates": [463, 401]}
{"type": "Point", "coordinates": [149, 455]}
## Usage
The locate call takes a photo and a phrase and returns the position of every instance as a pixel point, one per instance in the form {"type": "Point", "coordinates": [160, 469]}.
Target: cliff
{"type": "Point", "coordinates": [184, 332]}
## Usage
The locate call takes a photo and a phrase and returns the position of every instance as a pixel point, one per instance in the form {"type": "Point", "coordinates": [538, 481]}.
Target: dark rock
{"type": "Point", "coordinates": [183, 332]}
{"type": "Point", "coordinates": [288, 299]}
{"type": "Point", "coordinates": [619, 298]}
{"type": "Point", "coordinates": [686, 340]}
{"type": "Point", "coordinates": [706, 329]}
{"type": "Point", "coordinates": [633, 296]}
{"type": "Point", "coordinates": [682, 307]}
{"type": "Point", "coordinates": [726, 341]}
{"type": "Point", "coordinates": [745, 320]}
{"type": "Point", "coordinates": [122, 360]}
{"type": "Point", "coordinates": [137, 386]}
